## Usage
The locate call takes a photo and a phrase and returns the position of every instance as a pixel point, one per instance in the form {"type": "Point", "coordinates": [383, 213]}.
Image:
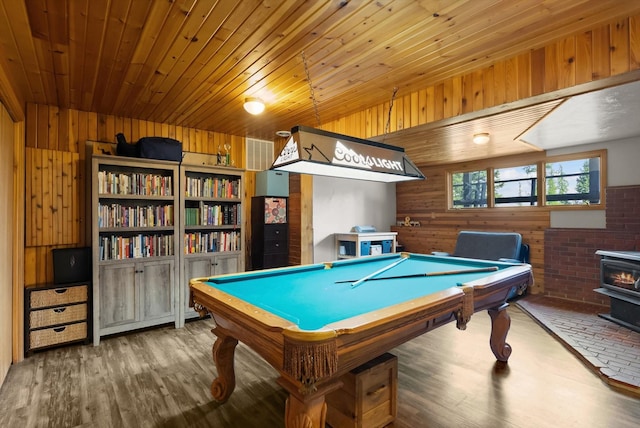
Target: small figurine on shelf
{"type": "Point", "coordinates": [218, 156]}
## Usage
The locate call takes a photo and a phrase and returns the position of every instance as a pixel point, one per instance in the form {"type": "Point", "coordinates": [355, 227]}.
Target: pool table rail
{"type": "Point", "coordinates": [514, 281]}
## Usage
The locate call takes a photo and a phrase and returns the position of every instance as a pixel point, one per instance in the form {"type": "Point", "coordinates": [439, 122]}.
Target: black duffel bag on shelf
{"type": "Point", "coordinates": [125, 149]}
{"type": "Point", "coordinates": [161, 148]}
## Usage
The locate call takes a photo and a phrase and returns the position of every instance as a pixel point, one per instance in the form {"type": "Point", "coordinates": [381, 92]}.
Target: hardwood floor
{"type": "Point", "coordinates": [446, 378]}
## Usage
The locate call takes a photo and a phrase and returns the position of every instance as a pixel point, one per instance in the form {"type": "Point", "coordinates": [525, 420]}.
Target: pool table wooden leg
{"type": "Point", "coordinates": [306, 410]}
{"type": "Point", "coordinates": [223, 352]}
{"type": "Point", "coordinates": [500, 324]}
{"type": "Point", "coordinates": [305, 414]}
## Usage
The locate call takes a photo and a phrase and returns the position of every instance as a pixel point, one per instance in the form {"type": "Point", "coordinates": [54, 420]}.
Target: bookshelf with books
{"type": "Point", "coordinates": [135, 242]}
{"type": "Point", "coordinates": [211, 228]}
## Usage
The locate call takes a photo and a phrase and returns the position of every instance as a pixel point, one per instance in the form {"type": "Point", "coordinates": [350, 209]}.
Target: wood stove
{"type": "Point", "coordinates": [620, 280]}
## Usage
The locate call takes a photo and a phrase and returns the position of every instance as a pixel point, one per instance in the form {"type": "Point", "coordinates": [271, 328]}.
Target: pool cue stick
{"type": "Point", "coordinates": [378, 272]}
{"type": "Point", "coordinates": [449, 272]}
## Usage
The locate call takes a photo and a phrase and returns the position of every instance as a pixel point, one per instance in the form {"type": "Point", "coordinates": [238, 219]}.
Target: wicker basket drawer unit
{"type": "Point", "coordinates": [56, 315]}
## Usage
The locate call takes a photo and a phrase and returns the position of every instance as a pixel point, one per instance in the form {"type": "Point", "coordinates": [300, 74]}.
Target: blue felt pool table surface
{"type": "Point", "coordinates": [310, 296]}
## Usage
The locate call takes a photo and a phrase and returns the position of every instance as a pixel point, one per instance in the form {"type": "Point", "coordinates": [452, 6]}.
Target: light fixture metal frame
{"type": "Point", "coordinates": [318, 152]}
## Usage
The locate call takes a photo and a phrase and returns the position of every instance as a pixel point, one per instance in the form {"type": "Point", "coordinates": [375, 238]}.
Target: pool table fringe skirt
{"type": "Point", "coordinates": [301, 361]}
{"type": "Point", "coordinates": [464, 314]}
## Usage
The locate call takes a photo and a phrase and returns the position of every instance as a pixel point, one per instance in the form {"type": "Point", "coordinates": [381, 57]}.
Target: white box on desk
{"type": "Point", "coordinates": [376, 250]}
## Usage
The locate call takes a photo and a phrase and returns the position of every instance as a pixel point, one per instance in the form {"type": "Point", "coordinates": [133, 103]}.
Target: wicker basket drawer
{"type": "Point", "coordinates": [57, 335]}
{"type": "Point", "coordinates": [58, 296]}
{"type": "Point", "coordinates": [59, 315]}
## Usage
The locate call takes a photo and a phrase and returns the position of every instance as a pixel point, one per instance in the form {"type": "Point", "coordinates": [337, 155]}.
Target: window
{"type": "Point", "coordinates": [569, 180]}
{"type": "Point", "coordinates": [469, 189]}
{"type": "Point", "coordinates": [515, 186]}
{"type": "Point", "coordinates": [573, 182]}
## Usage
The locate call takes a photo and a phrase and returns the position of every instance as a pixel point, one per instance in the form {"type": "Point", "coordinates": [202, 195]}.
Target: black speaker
{"type": "Point", "coordinates": [71, 265]}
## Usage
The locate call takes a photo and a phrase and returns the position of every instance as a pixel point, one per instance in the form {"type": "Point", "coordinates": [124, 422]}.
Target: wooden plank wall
{"type": "Point", "coordinates": [249, 192]}
{"type": "Point", "coordinates": [295, 219]}
{"type": "Point", "coordinates": [597, 54]}
{"type": "Point", "coordinates": [426, 202]}
{"type": "Point", "coordinates": [7, 129]}
{"type": "Point", "coordinates": [18, 205]}
{"type": "Point", "coordinates": [56, 208]}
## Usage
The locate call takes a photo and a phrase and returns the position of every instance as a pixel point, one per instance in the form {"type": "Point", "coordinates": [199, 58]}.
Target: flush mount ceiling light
{"type": "Point", "coordinates": [253, 105]}
{"type": "Point", "coordinates": [481, 138]}
{"type": "Point", "coordinates": [317, 152]}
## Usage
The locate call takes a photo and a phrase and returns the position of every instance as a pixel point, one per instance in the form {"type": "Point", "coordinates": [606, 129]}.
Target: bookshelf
{"type": "Point", "coordinates": [135, 244]}
{"type": "Point", "coordinates": [211, 229]}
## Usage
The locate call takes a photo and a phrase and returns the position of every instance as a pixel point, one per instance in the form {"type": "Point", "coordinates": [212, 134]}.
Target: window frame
{"type": "Point", "coordinates": [520, 165]}
{"type": "Point", "coordinates": [450, 188]}
{"type": "Point", "coordinates": [490, 165]}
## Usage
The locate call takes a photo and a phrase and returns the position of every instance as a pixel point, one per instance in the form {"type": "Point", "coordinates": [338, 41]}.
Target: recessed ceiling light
{"type": "Point", "coordinates": [283, 134]}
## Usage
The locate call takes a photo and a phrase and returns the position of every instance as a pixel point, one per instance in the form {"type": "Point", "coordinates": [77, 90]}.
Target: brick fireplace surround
{"type": "Point", "coordinates": [571, 267]}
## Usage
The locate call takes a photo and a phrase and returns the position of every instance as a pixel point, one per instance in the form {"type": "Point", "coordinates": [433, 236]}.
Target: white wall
{"type": "Point", "coordinates": [339, 204]}
{"type": "Point", "coordinates": [623, 169]}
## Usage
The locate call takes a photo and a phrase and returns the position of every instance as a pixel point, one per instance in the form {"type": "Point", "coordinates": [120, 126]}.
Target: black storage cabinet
{"type": "Point", "coordinates": [269, 232]}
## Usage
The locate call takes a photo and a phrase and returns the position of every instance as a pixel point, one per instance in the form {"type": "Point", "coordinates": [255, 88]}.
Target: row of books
{"type": "Point", "coordinates": [117, 215]}
{"type": "Point", "coordinates": [132, 183]}
{"type": "Point", "coordinates": [212, 187]}
{"type": "Point", "coordinates": [212, 215]}
{"type": "Point", "coordinates": [138, 246]}
{"type": "Point", "coordinates": [211, 242]}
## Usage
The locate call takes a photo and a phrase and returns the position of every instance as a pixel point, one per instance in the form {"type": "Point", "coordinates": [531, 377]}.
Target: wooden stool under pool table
{"type": "Point", "coordinates": [367, 397]}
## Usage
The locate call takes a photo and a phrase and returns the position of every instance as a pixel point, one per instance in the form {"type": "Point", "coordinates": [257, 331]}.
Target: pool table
{"type": "Point", "coordinates": [314, 323]}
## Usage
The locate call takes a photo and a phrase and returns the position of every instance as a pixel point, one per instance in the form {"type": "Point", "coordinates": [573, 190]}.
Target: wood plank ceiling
{"type": "Point", "coordinates": [193, 62]}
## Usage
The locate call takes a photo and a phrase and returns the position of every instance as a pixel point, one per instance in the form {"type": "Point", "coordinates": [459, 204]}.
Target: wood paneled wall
{"type": "Point", "coordinates": [7, 129]}
{"type": "Point", "coordinates": [56, 208]}
{"type": "Point", "coordinates": [426, 202]}
{"type": "Point", "coordinates": [594, 55]}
